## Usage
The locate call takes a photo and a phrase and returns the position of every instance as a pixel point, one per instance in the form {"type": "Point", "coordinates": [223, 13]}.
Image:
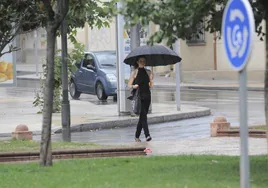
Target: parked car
{"type": "Point", "coordinates": [95, 74]}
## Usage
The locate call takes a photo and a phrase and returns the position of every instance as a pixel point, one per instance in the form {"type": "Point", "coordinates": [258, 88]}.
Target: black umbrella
{"type": "Point", "coordinates": [156, 55]}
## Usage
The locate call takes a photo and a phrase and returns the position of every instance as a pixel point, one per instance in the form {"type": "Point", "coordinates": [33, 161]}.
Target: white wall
{"type": "Point", "coordinates": [256, 62]}
{"type": "Point", "coordinates": [196, 57]}
{"type": "Point", "coordinates": [102, 39]}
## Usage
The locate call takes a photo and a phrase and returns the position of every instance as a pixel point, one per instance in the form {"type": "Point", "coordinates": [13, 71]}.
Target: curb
{"type": "Point", "coordinates": [234, 88]}
{"type": "Point", "coordinates": [173, 87]}
{"type": "Point", "coordinates": [69, 154]}
{"type": "Point", "coordinates": [230, 88]}
{"type": "Point", "coordinates": [165, 86]}
{"type": "Point", "coordinates": [133, 121]}
{"type": "Point", "coordinates": [5, 135]}
{"type": "Point", "coordinates": [28, 78]}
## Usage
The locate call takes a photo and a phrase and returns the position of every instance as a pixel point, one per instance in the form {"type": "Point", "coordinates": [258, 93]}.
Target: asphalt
{"type": "Point", "coordinates": [27, 72]}
{"type": "Point", "coordinates": [87, 116]}
{"type": "Point", "coordinates": [170, 83]}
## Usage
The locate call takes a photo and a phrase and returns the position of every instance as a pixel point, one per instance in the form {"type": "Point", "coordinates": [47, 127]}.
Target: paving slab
{"type": "Point", "coordinates": [85, 115]}
{"type": "Point", "coordinates": [169, 83]}
{"type": "Point", "coordinates": [229, 146]}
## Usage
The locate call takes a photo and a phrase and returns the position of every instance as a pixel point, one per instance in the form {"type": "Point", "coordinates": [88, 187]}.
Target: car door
{"type": "Point", "coordinates": [89, 73]}
{"type": "Point", "coordinates": [78, 75]}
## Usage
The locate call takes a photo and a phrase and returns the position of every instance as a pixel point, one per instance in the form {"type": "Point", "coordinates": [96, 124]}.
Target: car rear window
{"type": "Point", "coordinates": [106, 59]}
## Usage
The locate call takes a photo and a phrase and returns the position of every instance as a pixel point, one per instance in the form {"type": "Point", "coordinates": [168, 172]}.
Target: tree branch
{"type": "Point", "coordinates": [8, 40]}
{"type": "Point", "coordinates": [49, 8]}
{"type": "Point", "coordinates": [9, 51]}
{"type": "Point", "coordinates": [61, 12]}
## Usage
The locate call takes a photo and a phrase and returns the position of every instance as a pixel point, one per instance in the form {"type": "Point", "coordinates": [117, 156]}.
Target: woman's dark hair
{"type": "Point", "coordinates": [137, 59]}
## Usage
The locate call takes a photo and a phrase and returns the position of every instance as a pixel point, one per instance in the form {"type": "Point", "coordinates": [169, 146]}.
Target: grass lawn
{"type": "Point", "coordinates": [13, 145]}
{"type": "Point", "coordinates": [255, 127]}
{"type": "Point", "coordinates": [259, 127]}
{"type": "Point", "coordinates": [138, 172]}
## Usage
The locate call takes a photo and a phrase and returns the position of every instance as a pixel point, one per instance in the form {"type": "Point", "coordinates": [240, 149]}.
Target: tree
{"type": "Point", "coordinates": [81, 11]}
{"type": "Point", "coordinates": [54, 17]}
{"type": "Point", "coordinates": [181, 19]}
{"type": "Point", "coordinates": [19, 16]}
{"type": "Point", "coordinates": [25, 15]}
{"type": "Point", "coordinates": [16, 17]}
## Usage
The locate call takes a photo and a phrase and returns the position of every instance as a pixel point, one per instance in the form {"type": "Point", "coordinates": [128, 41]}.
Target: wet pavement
{"type": "Point", "coordinates": [224, 103]}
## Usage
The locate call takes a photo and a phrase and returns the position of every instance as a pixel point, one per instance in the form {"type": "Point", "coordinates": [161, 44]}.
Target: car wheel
{"type": "Point", "coordinates": [100, 92]}
{"type": "Point", "coordinates": [73, 91]}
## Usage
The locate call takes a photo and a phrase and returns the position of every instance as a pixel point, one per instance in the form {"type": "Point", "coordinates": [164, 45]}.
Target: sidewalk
{"type": "Point", "coordinates": [28, 72]}
{"type": "Point", "coordinates": [228, 146]}
{"type": "Point", "coordinates": [85, 115]}
{"type": "Point", "coordinates": [170, 83]}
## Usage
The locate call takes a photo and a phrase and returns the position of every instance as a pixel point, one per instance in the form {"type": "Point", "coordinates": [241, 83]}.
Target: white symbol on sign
{"type": "Point", "coordinates": [236, 37]}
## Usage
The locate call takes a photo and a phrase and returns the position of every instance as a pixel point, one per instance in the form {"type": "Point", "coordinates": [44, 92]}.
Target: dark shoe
{"type": "Point", "coordinates": [137, 140]}
{"type": "Point", "coordinates": [148, 138]}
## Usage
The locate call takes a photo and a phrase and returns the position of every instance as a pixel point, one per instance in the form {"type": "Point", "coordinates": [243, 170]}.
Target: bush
{"type": "Point", "coordinates": [74, 57]}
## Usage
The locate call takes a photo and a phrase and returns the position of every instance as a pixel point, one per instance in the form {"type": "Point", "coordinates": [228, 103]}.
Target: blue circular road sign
{"type": "Point", "coordinates": [238, 27]}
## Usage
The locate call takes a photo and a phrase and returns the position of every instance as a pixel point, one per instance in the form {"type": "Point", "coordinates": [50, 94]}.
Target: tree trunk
{"type": "Point", "coordinates": [45, 147]}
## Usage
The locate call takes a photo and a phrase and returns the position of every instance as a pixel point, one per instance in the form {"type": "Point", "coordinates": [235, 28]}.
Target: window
{"type": "Point", "coordinates": [88, 60]}
{"type": "Point", "coordinates": [198, 38]}
{"type": "Point", "coordinates": [106, 59]}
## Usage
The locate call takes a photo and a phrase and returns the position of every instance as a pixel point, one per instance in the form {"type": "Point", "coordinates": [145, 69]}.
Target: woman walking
{"type": "Point", "coordinates": [142, 78]}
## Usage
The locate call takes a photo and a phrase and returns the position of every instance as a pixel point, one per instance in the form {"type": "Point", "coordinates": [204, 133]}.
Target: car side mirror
{"type": "Point", "coordinates": [91, 67]}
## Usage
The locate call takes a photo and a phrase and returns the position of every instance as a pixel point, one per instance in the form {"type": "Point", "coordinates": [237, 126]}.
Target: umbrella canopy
{"type": "Point", "coordinates": [156, 55]}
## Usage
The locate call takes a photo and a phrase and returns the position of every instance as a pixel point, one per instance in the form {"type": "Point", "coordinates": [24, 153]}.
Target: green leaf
{"type": "Point", "coordinates": [185, 15]}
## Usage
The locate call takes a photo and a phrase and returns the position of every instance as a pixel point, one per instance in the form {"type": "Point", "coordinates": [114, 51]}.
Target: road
{"type": "Point", "coordinates": [225, 103]}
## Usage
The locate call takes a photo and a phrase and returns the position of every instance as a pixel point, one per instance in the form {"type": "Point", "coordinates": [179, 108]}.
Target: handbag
{"type": "Point", "coordinates": [136, 102]}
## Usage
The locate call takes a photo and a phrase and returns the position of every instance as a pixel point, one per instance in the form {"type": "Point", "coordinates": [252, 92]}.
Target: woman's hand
{"type": "Point", "coordinates": [151, 84]}
{"type": "Point", "coordinates": [151, 79]}
{"type": "Point", "coordinates": [135, 86]}
{"type": "Point", "coordinates": [131, 79]}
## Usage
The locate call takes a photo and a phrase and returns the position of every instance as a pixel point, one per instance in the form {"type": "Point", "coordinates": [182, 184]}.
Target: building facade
{"type": "Point", "coordinates": [206, 60]}
{"type": "Point", "coordinates": [203, 58]}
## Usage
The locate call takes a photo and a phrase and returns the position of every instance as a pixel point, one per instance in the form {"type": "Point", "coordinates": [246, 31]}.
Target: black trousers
{"type": "Point", "coordinates": [142, 124]}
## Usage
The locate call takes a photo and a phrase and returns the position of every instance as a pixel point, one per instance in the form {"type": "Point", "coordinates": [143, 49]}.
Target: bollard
{"type": "Point", "coordinates": [219, 123]}
{"type": "Point", "coordinates": [22, 133]}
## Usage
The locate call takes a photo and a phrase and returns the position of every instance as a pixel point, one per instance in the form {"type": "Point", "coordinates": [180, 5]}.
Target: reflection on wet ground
{"type": "Point", "coordinates": [224, 103]}
{"type": "Point", "coordinates": [184, 129]}
{"type": "Point", "coordinates": [28, 83]}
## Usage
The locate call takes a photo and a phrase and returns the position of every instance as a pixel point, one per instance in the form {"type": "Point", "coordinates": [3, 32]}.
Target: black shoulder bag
{"type": "Point", "coordinates": [136, 102]}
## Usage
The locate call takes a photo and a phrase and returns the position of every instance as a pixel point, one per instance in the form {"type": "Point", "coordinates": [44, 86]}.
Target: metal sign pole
{"type": "Point", "coordinates": [65, 103]}
{"type": "Point", "coordinates": [238, 27]}
{"type": "Point", "coordinates": [36, 52]}
{"type": "Point", "coordinates": [121, 94]}
{"type": "Point", "coordinates": [176, 48]}
{"type": "Point", "coordinates": [244, 159]}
